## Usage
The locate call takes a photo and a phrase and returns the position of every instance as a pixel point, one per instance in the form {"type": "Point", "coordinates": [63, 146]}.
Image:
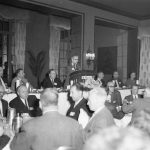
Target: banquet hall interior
{"type": "Point", "coordinates": [65, 55]}
{"type": "Point", "coordinates": [112, 31]}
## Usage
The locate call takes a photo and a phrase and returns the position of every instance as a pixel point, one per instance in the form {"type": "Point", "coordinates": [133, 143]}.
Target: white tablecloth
{"type": "Point", "coordinates": [63, 104]}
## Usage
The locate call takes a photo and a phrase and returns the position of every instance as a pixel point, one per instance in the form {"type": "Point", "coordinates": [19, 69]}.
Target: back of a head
{"type": "Point", "coordinates": [100, 93]}
{"type": "Point", "coordinates": [18, 70]}
{"type": "Point", "coordinates": [49, 97]}
{"type": "Point", "coordinates": [115, 138]}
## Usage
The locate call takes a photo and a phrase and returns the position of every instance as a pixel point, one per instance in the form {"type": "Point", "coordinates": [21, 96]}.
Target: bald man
{"type": "Point", "coordinates": [49, 131]}
{"type": "Point", "coordinates": [25, 103]}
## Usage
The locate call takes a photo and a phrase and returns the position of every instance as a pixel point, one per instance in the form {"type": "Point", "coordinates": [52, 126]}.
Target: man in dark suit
{"type": "Point", "coordinates": [25, 103]}
{"type": "Point", "coordinates": [102, 117]}
{"type": "Point", "coordinates": [3, 103]}
{"type": "Point", "coordinates": [49, 131]}
{"type": "Point", "coordinates": [134, 95]}
{"type": "Point", "coordinates": [114, 101]}
{"type": "Point", "coordinates": [100, 79]}
{"type": "Point", "coordinates": [117, 81]}
{"type": "Point", "coordinates": [72, 67]}
{"type": "Point", "coordinates": [137, 105]}
{"type": "Point", "coordinates": [51, 80]}
{"type": "Point", "coordinates": [79, 103]}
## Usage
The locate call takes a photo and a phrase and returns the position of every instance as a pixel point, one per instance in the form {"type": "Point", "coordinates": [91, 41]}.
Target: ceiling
{"type": "Point", "coordinates": [138, 9]}
{"type": "Point", "coordinates": [41, 9]}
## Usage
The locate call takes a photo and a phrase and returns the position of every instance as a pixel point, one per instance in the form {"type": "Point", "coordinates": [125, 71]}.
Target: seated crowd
{"type": "Point", "coordinates": [90, 121]}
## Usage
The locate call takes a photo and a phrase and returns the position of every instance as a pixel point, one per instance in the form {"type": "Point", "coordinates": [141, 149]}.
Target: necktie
{"type": "Point", "coordinates": [52, 81]}
{"type": "Point", "coordinates": [117, 83]}
{"type": "Point", "coordinates": [26, 103]}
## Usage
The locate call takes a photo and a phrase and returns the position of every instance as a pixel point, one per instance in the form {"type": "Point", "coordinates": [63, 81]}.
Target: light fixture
{"type": "Point", "coordinates": [90, 56]}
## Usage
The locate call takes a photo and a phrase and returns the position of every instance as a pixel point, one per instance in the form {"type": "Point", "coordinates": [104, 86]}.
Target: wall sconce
{"type": "Point", "coordinates": [90, 56]}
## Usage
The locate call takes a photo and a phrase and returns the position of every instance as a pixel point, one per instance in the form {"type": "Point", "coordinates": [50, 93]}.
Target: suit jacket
{"type": "Point", "coordinates": [13, 83]}
{"type": "Point", "coordinates": [129, 83]}
{"type": "Point", "coordinates": [4, 139]}
{"type": "Point", "coordinates": [74, 112]}
{"type": "Point", "coordinates": [5, 107]}
{"type": "Point", "coordinates": [70, 69]}
{"type": "Point", "coordinates": [103, 82]}
{"type": "Point", "coordinates": [48, 132]}
{"type": "Point", "coordinates": [47, 83]}
{"type": "Point", "coordinates": [136, 106]}
{"type": "Point", "coordinates": [116, 101]}
{"type": "Point", "coordinates": [101, 120]}
{"type": "Point", "coordinates": [20, 107]}
{"type": "Point", "coordinates": [130, 98]}
{"type": "Point", "coordinates": [119, 82]}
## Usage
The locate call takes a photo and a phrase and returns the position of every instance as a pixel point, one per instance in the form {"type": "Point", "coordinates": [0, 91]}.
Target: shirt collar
{"type": "Point", "coordinates": [50, 109]}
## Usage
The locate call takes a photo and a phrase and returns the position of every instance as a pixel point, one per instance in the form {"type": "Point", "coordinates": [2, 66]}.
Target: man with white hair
{"type": "Point", "coordinates": [102, 117]}
{"type": "Point", "coordinates": [50, 131]}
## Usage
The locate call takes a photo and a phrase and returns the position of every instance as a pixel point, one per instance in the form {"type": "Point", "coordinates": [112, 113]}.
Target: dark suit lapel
{"type": "Point", "coordinates": [22, 105]}
{"type": "Point", "coordinates": [3, 107]}
{"type": "Point", "coordinates": [50, 82]}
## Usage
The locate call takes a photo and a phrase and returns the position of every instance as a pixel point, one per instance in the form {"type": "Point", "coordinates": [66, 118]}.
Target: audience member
{"type": "Point", "coordinates": [72, 67]}
{"type": "Point", "coordinates": [118, 139]}
{"type": "Point", "coordinates": [100, 79]}
{"type": "Point", "coordinates": [25, 103]}
{"type": "Point", "coordinates": [134, 95]}
{"type": "Point", "coordinates": [131, 81]}
{"type": "Point", "coordinates": [117, 80]}
{"type": "Point", "coordinates": [102, 117]}
{"type": "Point", "coordinates": [19, 77]}
{"type": "Point", "coordinates": [136, 106]}
{"type": "Point", "coordinates": [1, 79]}
{"type": "Point", "coordinates": [114, 101]}
{"type": "Point", "coordinates": [49, 131]}
{"type": "Point", "coordinates": [51, 80]}
{"type": "Point", "coordinates": [3, 103]}
{"type": "Point", "coordinates": [79, 103]}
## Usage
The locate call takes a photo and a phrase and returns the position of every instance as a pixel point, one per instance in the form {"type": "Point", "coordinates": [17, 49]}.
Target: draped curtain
{"type": "Point", "coordinates": [19, 42]}
{"type": "Point", "coordinates": [56, 24]}
{"type": "Point", "coordinates": [54, 47]}
{"type": "Point", "coordinates": [19, 18]}
{"type": "Point", "coordinates": [144, 74]}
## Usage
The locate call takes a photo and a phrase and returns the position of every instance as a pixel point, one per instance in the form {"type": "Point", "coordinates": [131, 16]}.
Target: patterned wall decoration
{"type": "Point", "coordinates": [144, 74]}
{"type": "Point", "coordinates": [18, 44]}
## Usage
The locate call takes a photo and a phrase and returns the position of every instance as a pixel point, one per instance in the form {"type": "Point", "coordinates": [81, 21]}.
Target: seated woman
{"type": "Point", "coordinates": [114, 101]}
{"type": "Point", "coordinates": [131, 81]}
{"type": "Point", "coordinates": [51, 80]}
